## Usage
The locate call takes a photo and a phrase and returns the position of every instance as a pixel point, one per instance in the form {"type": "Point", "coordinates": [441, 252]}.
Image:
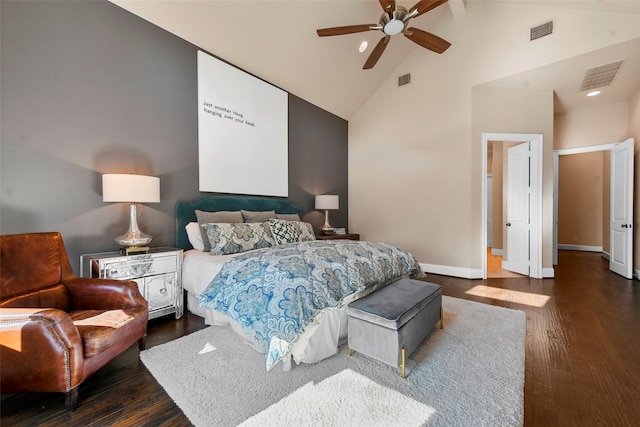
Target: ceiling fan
{"type": "Point", "coordinates": [395, 20]}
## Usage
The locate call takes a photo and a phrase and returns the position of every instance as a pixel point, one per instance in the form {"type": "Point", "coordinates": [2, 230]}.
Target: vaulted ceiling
{"type": "Point", "coordinates": [277, 41]}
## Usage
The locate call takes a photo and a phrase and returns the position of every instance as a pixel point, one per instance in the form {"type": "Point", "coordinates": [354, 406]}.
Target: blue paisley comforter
{"type": "Point", "coordinates": [274, 293]}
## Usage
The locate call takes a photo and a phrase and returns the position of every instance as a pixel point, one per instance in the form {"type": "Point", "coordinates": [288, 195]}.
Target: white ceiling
{"type": "Point", "coordinates": [565, 77]}
{"type": "Point", "coordinates": [276, 40]}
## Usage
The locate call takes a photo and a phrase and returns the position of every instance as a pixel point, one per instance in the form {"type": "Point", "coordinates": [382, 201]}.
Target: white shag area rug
{"type": "Point", "coordinates": [353, 399]}
{"type": "Point", "coordinates": [471, 373]}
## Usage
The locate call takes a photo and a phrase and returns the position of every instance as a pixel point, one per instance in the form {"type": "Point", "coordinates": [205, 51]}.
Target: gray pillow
{"type": "Point", "coordinates": [257, 216]}
{"type": "Point", "coordinates": [288, 217]}
{"type": "Point", "coordinates": [217, 217]}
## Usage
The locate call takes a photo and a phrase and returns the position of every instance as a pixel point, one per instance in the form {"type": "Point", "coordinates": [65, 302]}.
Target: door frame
{"type": "Point", "coordinates": [556, 164]}
{"type": "Point", "coordinates": [535, 208]}
{"type": "Point", "coordinates": [489, 220]}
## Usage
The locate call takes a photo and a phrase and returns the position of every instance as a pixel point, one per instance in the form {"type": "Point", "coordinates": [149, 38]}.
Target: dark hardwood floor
{"type": "Point", "coordinates": [582, 356]}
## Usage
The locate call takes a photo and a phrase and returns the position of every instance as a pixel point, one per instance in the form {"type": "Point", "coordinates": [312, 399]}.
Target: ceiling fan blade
{"type": "Point", "coordinates": [376, 53]}
{"type": "Point", "coordinates": [388, 5]}
{"type": "Point", "coordinates": [349, 29]}
{"type": "Point", "coordinates": [424, 6]}
{"type": "Point", "coordinates": [427, 40]}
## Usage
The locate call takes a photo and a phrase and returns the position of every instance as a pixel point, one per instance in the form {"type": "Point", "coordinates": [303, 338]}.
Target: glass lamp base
{"type": "Point", "coordinates": [133, 237]}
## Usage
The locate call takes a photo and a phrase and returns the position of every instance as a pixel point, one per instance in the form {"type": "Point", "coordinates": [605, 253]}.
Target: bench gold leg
{"type": "Point", "coordinates": [441, 318]}
{"type": "Point", "coordinates": [403, 363]}
{"type": "Point", "coordinates": [350, 351]}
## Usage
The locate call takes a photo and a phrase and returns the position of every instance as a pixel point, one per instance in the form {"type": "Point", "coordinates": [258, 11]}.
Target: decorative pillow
{"type": "Point", "coordinates": [217, 217]}
{"type": "Point", "coordinates": [195, 236]}
{"type": "Point", "coordinates": [306, 232]}
{"type": "Point", "coordinates": [288, 217]}
{"type": "Point", "coordinates": [257, 216]}
{"type": "Point", "coordinates": [232, 238]}
{"type": "Point", "coordinates": [290, 231]}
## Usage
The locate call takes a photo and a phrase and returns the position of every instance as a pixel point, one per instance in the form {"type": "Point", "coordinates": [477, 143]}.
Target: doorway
{"type": "Point", "coordinates": [621, 204]}
{"type": "Point", "coordinates": [494, 255]}
{"type": "Point", "coordinates": [535, 207]}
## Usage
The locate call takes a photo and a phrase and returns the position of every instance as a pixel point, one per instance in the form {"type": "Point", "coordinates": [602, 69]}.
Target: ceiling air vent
{"type": "Point", "coordinates": [600, 76]}
{"type": "Point", "coordinates": [541, 30]}
{"type": "Point", "coordinates": [404, 80]}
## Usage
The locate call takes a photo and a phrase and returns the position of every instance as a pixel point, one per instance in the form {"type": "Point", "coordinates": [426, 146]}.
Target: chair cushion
{"type": "Point", "coordinates": [100, 329]}
{"type": "Point", "coordinates": [395, 304]}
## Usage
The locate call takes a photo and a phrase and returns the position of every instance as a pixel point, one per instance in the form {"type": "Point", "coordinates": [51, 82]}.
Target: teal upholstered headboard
{"type": "Point", "coordinates": [186, 211]}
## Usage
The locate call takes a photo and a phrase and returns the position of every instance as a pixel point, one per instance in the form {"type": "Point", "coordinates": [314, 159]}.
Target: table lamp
{"type": "Point", "coordinates": [327, 202]}
{"type": "Point", "coordinates": [132, 189]}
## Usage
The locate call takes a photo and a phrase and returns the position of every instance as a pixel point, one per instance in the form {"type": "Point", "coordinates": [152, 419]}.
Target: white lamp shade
{"type": "Point", "coordinates": [130, 188]}
{"type": "Point", "coordinates": [327, 202]}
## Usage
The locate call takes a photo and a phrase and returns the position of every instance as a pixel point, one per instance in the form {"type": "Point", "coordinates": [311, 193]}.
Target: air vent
{"type": "Point", "coordinates": [404, 80]}
{"type": "Point", "coordinates": [600, 76]}
{"type": "Point", "coordinates": [541, 30]}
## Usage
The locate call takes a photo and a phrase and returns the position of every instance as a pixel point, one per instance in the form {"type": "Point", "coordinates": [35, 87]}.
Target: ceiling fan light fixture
{"type": "Point", "coordinates": [363, 46]}
{"type": "Point", "coordinates": [394, 23]}
{"type": "Point", "coordinates": [393, 27]}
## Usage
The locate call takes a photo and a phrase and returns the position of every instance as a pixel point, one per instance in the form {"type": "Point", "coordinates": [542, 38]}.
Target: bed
{"type": "Point", "coordinates": [283, 292]}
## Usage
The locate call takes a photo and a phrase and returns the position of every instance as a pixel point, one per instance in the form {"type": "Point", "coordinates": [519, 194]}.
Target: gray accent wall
{"type": "Point", "coordinates": [88, 88]}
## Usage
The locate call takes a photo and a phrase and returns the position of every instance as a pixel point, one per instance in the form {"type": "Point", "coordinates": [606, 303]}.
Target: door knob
{"type": "Point", "coordinates": [508, 224]}
{"type": "Point", "coordinates": [624, 225]}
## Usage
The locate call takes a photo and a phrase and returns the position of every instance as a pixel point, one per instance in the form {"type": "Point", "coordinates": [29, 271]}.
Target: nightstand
{"type": "Point", "coordinates": [348, 236]}
{"type": "Point", "coordinates": [158, 275]}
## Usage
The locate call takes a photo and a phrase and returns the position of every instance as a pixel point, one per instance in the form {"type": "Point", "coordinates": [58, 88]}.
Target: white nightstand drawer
{"type": "Point", "coordinates": [139, 266]}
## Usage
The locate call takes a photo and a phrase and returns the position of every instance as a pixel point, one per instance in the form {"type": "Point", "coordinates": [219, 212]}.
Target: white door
{"type": "Point", "coordinates": [518, 209]}
{"type": "Point", "coordinates": [621, 258]}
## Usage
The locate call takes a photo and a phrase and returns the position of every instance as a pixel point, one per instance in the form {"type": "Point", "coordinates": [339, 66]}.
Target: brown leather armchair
{"type": "Point", "coordinates": [57, 329]}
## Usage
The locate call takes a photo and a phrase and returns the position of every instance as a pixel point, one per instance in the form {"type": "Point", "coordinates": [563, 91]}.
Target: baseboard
{"type": "Point", "coordinates": [496, 252]}
{"type": "Point", "coordinates": [465, 273]}
{"type": "Point", "coordinates": [606, 255]}
{"type": "Point", "coordinates": [582, 248]}
{"type": "Point", "coordinates": [469, 273]}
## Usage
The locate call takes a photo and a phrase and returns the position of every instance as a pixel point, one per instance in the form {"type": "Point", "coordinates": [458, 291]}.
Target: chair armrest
{"type": "Point", "coordinates": [41, 345]}
{"type": "Point", "coordinates": [103, 294]}
{"type": "Point", "coordinates": [18, 319]}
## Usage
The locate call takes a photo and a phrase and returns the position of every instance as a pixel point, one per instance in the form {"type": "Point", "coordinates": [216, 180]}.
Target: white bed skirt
{"type": "Point", "coordinates": [319, 341]}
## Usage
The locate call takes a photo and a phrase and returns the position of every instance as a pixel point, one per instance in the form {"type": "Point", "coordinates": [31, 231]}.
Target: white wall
{"type": "Point", "coordinates": [414, 164]}
{"type": "Point", "coordinates": [592, 126]}
{"type": "Point", "coordinates": [518, 111]}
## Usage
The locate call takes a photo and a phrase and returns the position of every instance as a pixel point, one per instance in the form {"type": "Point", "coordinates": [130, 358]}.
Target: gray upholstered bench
{"type": "Point", "coordinates": [390, 323]}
